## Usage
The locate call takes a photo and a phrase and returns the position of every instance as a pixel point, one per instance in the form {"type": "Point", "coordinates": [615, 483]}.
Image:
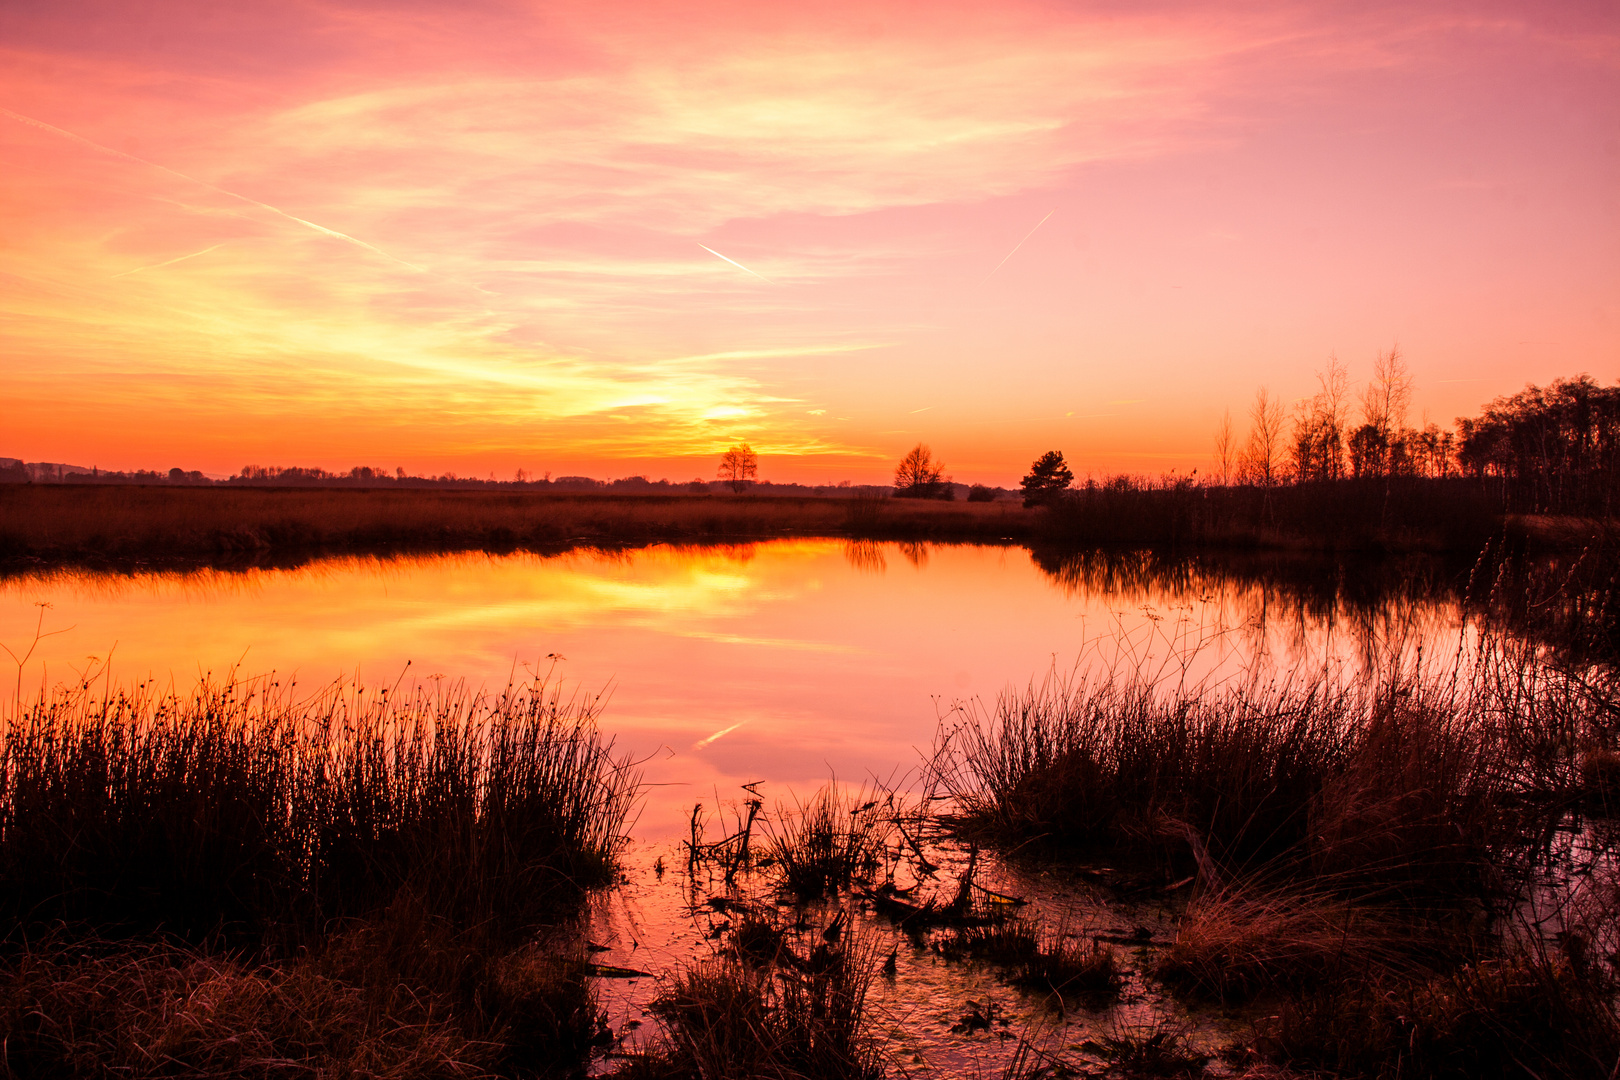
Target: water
{"type": "Point", "coordinates": [785, 662]}
{"type": "Point", "coordinates": [778, 665]}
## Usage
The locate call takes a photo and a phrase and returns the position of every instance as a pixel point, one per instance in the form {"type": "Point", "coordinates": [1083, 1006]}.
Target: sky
{"type": "Point", "coordinates": [614, 239]}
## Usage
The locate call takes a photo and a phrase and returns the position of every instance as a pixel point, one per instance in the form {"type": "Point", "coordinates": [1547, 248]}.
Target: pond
{"type": "Point", "coordinates": [788, 662]}
{"type": "Point", "coordinates": [777, 666]}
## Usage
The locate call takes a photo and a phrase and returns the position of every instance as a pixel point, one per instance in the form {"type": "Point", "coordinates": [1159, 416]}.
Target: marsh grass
{"type": "Point", "coordinates": [402, 997]}
{"type": "Point", "coordinates": [1415, 789]}
{"type": "Point", "coordinates": [828, 844]}
{"type": "Point", "coordinates": [1384, 513]}
{"type": "Point", "coordinates": [242, 812]}
{"type": "Point", "coordinates": [1521, 1015]}
{"type": "Point", "coordinates": [1239, 941]}
{"type": "Point", "coordinates": [178, 524]}
{"type": "Point", "coordinates": [1060, 967]}
{"type": "Point", "coordinates": [805, 1018]}
{"type": "Point", "coordinates": [1365, 859]}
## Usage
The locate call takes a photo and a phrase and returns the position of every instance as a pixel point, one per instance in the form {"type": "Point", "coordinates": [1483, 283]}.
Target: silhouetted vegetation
{"type": "Point", "coordinates": [1383, 514]}
{"type": "Point", "coordinates": [238, 882]}
{"type": "Point", "coordinates": [919, 476]}
{"type": "Point", "coordinates": [215, 524]}
{"type": "Point", "coordinates": [739, 467]}
{"type": "Point", "coordinates": [1316, 479]}
{"type": "Point", "coordinates": [242, 811]}
{"type": "Point", "coordinates": [791, 1017]}
{"type": "Point", "coordinates": [1375, 862]}
{"type": "Point", "coordinates": [1049, 477]}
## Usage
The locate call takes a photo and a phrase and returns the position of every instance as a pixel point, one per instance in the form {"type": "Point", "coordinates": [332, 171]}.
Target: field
{"type": "Point", "coordinates": [83, 522]}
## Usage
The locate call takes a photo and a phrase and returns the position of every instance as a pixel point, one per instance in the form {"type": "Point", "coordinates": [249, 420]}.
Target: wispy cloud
{"type": "Point", "coordinates": [171, 262]}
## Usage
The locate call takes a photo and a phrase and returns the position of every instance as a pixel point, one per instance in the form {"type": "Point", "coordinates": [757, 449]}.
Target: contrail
{"type": "Point", "coordinates": [701, 743]}
{"type": "Point", "coordinates": [322, 229]}
{"type": "Point", "coordinates": [1020, 244]}
{"type": "Point", "coordinates": [171, 262]}
{"type": "Point", "coordinates": [737, 264]}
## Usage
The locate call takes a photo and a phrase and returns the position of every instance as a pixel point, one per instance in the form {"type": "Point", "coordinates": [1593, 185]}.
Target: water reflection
{"type": "Point", "coordinates": [783, 661]}
{"type": "Point", "coordinates": [1281, 605]}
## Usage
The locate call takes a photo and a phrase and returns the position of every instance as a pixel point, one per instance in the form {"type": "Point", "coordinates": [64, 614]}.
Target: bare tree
{"type": "Point", "coordinates": [1389, 393]}
{"type": "Point", "coordinates": [1321, 426]}
{"type": "Point", "coordinates": [1225, 452]}
{"type": "Point", "coordinates": [1262, 457]}
{"type": "Point", "coordinates": [738, 466]}
{"type": "Point", "coordinates": [1379, 447]}
{"type": "Point", "coordinates": [919, 476]}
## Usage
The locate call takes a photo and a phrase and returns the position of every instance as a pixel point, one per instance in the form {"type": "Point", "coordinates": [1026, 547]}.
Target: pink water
{"type": "Point", "coordinates": [786, 662]}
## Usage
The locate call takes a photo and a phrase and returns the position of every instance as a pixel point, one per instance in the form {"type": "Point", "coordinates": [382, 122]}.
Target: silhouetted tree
{"type": "Point", "coordinates": [738, 466]}
{"type": "Point", "coordinates": [1379, 446]}
{"type": "Point", "coordinates": [1048, 478]}
{"type": "Point", "coordinates": [1556, 448]}
{"type": "Point", "coordinates": [1262, 457]}
{"type": "Point", "coordinates": [1320, 427]}
{"type": "Point", "coordinates": [919, 476]}
{"type": "Point", "coordinates": [980, 493]}
{"type": "Point", "coordinates": [1225, 451]}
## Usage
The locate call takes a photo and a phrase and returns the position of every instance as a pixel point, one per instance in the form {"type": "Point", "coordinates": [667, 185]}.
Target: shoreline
{"type": "Point", "coordinates": [129, 528]}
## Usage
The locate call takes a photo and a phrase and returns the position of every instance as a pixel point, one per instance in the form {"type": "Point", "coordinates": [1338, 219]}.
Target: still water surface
{"type": "Point", "coordinates": [788, 661]}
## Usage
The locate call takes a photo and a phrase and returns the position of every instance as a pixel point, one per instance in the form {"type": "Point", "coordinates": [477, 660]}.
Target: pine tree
{"type": "Point", "coordinates": [1048, 478]}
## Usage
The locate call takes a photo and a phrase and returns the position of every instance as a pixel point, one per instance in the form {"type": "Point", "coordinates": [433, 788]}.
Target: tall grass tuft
{"type": "Point", "coordinates": [242, 811]}
{"type": "Point", "coordinates": [1417, 789]}
{"type": "Point", "coordinates": [727, 1019]}
{"type": "Point", "coordinates": [831, 842]}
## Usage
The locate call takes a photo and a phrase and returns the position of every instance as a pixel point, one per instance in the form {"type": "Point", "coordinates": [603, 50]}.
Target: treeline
{"type": "Point", "coordinates": [1338, 473]}
{"type": "Point", "coordinates": [1544, 450]}
{"type": "Point", "coordinates": [15, 471]}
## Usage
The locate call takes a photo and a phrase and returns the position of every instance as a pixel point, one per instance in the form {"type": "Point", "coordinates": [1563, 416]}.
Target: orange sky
{"type": "Point", "coordinates": [478, 236]}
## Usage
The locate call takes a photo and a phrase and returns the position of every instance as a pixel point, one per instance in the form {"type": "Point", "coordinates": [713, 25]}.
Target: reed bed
{"type": "Point", "coordinates": [1413, 875]}
{"type": "Point", "coordinates": [107, 523]}
{"type": "Point", "coordinates": [241, 881]}
{"type": "Point", "coordinates": [1414, 787]}
{"type": "Point", "coordinates": [798, 1017]}
{"type": "Point", "coordinates": [1371, 514]}
{"type": "Point", "coordinates": [243, 810]}
{"type": "Point", "coordinates": [832, 842]}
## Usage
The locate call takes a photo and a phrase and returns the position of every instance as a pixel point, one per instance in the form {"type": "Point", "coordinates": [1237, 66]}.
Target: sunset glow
{"type": "Point", "coordinates": [613, 239]}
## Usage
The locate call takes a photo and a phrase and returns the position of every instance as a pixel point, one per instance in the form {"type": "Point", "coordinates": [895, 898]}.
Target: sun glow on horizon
{"type": "Point", "coordinates": [614, 242]}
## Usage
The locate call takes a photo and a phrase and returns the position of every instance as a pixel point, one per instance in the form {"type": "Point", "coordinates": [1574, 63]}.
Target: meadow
{"type": "Point", "coordinates": [111, 523]}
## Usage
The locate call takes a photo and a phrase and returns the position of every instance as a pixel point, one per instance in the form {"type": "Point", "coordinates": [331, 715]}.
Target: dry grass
{"type": "Point", "coordinates": [830, 843]}
{"type": "Point", "coordinates": [805, 1019]}
{"type": "Point", "coordinates": [1238, 941]}
{"type": "Point", "coordinates": [398, 999]}
{"type": "Point", "coordinates": [1416, 790]}
{"type": "Point", "coordinates": [109, 523]}
{"type": "Point", "coordinates": [242, 883]}
{"type": "Point", "coordinates": [243, 810]}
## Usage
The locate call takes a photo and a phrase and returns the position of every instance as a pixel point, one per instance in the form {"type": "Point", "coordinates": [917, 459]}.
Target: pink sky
{"type": "Point", "coordinates": [473, 237]}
